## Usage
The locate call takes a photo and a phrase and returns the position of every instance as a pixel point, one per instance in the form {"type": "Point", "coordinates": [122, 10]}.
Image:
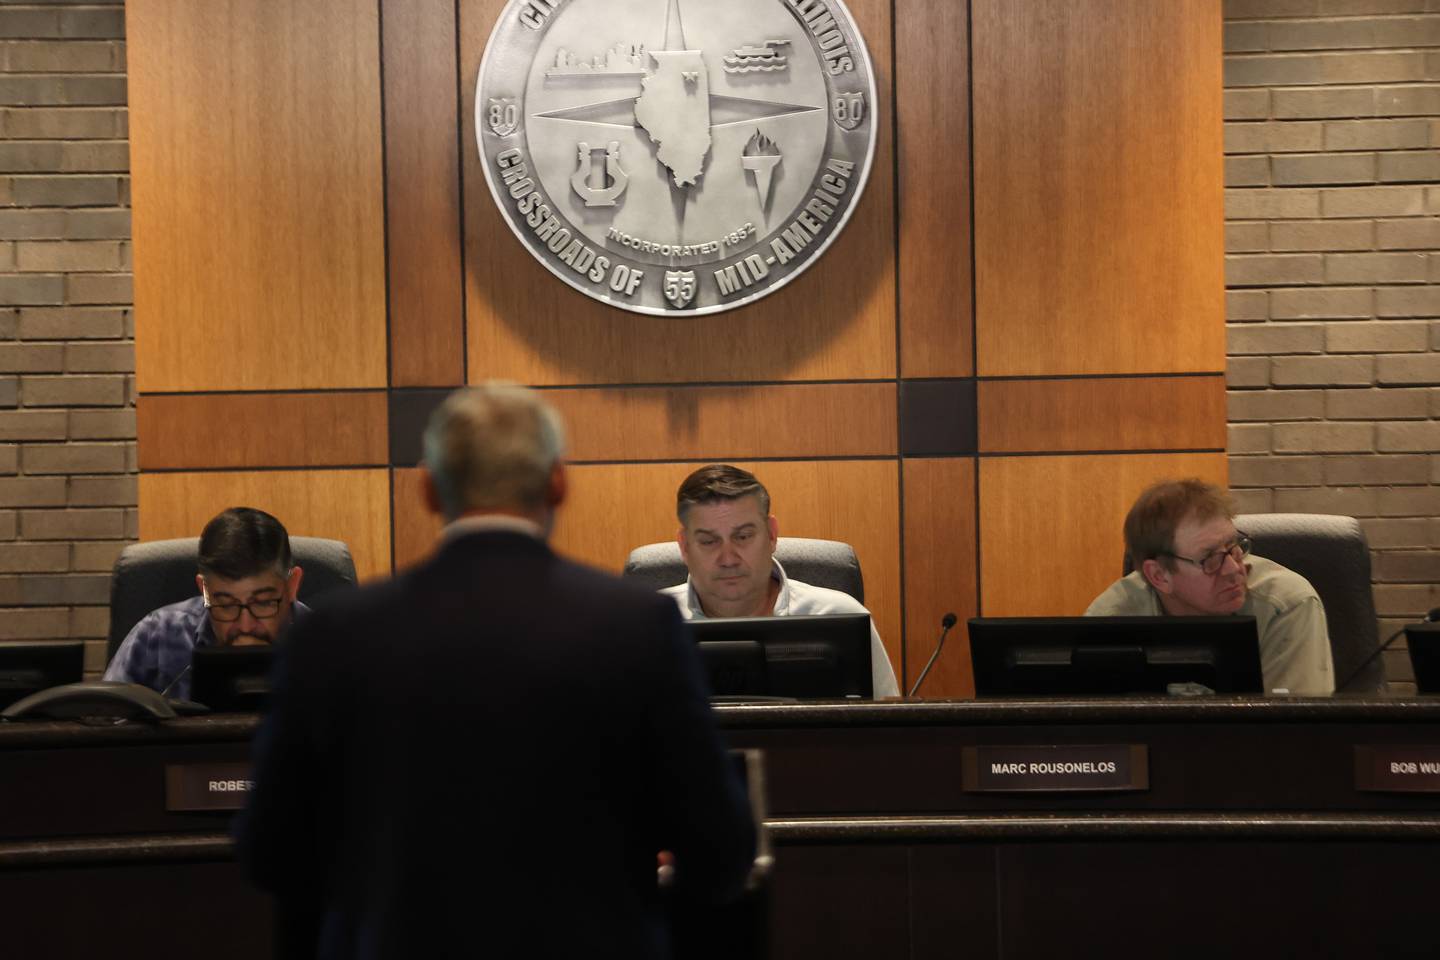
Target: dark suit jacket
{"type": "Point", "coordinates": [482, 757]}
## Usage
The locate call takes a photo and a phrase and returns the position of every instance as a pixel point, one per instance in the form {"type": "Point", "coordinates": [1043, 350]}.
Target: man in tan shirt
{"type": "Point", "coordinates": [1191, 561]}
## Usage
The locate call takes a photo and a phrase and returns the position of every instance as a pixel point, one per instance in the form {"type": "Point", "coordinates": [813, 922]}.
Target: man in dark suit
{"type": "Point", "coordinates": [486, 755]}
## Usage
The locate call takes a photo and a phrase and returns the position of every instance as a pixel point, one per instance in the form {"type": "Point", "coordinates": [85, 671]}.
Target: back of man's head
{"type": "Point", "coordinates": [492, 447]}
{"type": "Point", "coordinates": [242, 542]}
{"type": "Point", "coordinates": [716, 483]}
{"type": "Point", "coordinates": [1160, 509]}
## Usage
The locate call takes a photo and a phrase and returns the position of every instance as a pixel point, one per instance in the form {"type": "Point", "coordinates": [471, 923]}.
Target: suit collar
{"type": "Point", "coordinates": [491, 522]}
{"type": "Point", "coordinates": [490, 540]}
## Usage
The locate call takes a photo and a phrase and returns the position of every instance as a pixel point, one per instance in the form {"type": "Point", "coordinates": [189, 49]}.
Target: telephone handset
{"type": "Point", "coordinates": [96, 701]}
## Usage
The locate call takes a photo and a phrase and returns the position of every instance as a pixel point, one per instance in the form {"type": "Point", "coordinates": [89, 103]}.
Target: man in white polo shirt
{"type": "Point", "coordinates": [727, 537]}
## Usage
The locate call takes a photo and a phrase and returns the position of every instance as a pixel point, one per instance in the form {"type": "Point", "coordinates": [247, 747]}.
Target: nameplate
{"type": "Point", "coordinates": [1398, 768]}
{"type": "Point", "coordinates": [1056, 769]}
{"type": "Point", "coordinates": [206, 786]}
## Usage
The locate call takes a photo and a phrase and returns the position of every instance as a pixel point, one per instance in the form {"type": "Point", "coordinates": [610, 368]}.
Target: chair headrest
{"type": "Point", "coordinates": [822, 563]}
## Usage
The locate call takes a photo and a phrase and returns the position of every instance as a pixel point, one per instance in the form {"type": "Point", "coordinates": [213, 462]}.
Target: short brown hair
{"type": "Point", "coordinates": [716, 483]}
{"type": "Point", "coordinates": [1151, 523]}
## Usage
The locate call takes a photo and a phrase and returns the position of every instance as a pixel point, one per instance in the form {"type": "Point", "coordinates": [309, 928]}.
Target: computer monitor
{"type": "Point", "coordinates": [1113, 656]}
{"type": "Point", "coordinates": [1423, 639]}
{"type": "Point", "coordinates": [29, 666]}
{"type": "Point", "coordinates": [231, 679]}
{"type": "Point", "coordinates": [821, 657]}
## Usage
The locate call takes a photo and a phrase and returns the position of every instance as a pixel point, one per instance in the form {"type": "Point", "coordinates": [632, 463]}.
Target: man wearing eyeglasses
{"type": "Point", "coordinates": [247, 588]}
{"type": "Point", "coordinates": [1191, 561]}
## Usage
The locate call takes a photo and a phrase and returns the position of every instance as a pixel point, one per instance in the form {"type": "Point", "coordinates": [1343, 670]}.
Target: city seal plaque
{"type": "Point", "coordinates": [676, 157]}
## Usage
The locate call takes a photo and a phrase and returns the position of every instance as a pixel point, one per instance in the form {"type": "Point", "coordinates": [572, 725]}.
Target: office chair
{"type": "Point", "coordinates": [151, 575]}
{"type": "Point", "coordinates": [1333, 554]}
{"type": "Point", "coordinates": [822, 563]}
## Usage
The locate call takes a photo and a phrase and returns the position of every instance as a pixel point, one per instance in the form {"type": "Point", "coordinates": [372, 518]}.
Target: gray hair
{"type": "Point", "coordinates": [492, 446]}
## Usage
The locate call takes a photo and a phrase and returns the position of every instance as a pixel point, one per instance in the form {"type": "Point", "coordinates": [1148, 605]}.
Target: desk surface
{"type": "Point", "coordinates": [1219, 756]}
{"type": "Point", "coordinates": [1422, 711]}
{"type": "Point", "coordinates": [882, 851]}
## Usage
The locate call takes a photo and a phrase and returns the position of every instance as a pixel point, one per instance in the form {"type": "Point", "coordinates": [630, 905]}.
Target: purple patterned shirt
{"type": "Point", "coordinates": [157, 650]}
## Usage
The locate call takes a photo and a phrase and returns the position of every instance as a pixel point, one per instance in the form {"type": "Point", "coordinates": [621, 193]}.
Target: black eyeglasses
{"type": "Point", "coordinates": [1237, 550]}
{"type": "Point", "coordinates": [228, 611]}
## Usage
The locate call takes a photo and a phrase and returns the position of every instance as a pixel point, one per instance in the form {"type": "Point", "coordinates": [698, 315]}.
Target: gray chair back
{"type": "Point", "coordinates": [822, 563]}
{"type": "Point", "coordinates": [150, 575]}
{"type": "Point", "coordinates": [1333, 554]}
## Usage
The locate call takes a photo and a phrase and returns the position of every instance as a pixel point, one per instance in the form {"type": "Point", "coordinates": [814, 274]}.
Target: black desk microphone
{"type": "Point", "coordinates": [1430, 617]}
{"type": "Point", "coordinates": [946, 623]}
{"type": "Point", "coordinates": [171, 685]}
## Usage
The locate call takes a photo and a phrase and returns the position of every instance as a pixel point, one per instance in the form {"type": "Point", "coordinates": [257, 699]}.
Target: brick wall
{"type": "Point", "coordinates": [1332, 208]}
{"type": "Point", "coordinates": [67, 419]}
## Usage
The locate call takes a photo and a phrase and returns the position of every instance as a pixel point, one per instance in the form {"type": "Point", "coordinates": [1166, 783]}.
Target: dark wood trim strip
{"type": "Point", "coordinates": [1049, 713]}
{"type": "Point", "coordinates": [937, 418]}
{"type": "Point", "coordinates": [111, 851]}
{"type": "Point", "coordinates": [641, 385]}
{"type": "Point", "coordinates": [409, 410]}
{"type": "Point", "coordinates": [1188, 826]}
{"type": "Point", "coordinates": [216, 728]}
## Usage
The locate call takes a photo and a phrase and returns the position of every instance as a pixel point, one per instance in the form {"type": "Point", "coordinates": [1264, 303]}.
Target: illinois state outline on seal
{"type": "Point", "coordinates": [676, 157]}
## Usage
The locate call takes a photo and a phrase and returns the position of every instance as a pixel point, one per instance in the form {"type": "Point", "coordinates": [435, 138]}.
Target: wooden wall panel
{"type": "Point", "coordinates": [1097, 185]}
{"type": "Point", "coordinates": [939, 572]}
{"type": "Point", "coordinates": [349, 505]}
{"type": "Point", "coordinates": [932, 84]}
{"type": "Point", "coordinates": [256, 180]}
{"type": "Point", "coordinates": [240, 430]}
{"type": "Point", "coordinates": [1129, 413]}
{"type": "Point", "coordinates": [799, 420]}
{"type": "Point", "coordinates": [835, 322]}
{"type": "Point", "coordinates": [614, 508]}
{"type": "Point", "coordinates": [417, 530]}
{"type": "Point", "coordinates": [422, 191]}
{"type": "Point", "coordinates": [260, 260]}
{"type": "Point", "coordinates": [1051, 527]}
